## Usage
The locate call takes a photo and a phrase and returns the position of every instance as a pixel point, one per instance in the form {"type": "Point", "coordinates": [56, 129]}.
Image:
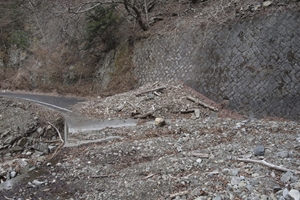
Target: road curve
{"type": "Point", "coordinates": [54, 102]}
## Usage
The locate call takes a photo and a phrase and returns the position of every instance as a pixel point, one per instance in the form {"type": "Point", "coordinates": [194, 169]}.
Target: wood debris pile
{"type": "Point", "coordinates": [151, 100]}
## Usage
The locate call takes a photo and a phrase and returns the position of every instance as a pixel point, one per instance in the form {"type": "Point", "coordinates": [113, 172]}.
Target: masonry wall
{"type": "Point", "coordinates": [254, 63]}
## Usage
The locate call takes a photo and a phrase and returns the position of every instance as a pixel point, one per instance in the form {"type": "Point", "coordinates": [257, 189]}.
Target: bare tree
{"type": "Point", "coordinates": [138, 9]}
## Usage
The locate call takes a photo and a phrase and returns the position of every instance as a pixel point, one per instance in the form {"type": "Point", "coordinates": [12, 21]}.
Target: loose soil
{"type": "Point", "coordinates": [193, 156]}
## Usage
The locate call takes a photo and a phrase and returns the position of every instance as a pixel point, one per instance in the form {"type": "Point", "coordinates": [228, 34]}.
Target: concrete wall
{"type": "Point", "coordinates": [254, 63]}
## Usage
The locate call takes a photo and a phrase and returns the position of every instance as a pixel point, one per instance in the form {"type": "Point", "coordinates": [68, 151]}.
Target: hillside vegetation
{"type": "Point", "coordinates": [84, 47]}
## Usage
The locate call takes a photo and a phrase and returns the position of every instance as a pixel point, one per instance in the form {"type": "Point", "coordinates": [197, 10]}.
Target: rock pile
{"type": "Point", "coordinates": [27, 136]}
{"type": "Point", "coordinates": [193, 155]}
{"type": "Point", "coordinates": [159, 99]}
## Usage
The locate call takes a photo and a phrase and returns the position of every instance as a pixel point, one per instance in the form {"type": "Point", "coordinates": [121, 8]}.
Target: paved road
{"type": "Point", "coordinates": [60, 103]}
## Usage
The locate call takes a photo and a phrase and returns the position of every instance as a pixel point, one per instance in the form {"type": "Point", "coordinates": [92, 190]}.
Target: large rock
{"type": "Point", "coordinates": [259, 150]}
{"type": "Point", "coordinates": [159, 122]}
{"type": "Point", "coordinates": [41, 147]}
{"type": "Point", "coordinates": [22, 142]}
{"type": "Point", "coordinates": [9, 140]}
{"type": "Point", "coordinates": [16, 149]}
{"type": "Point", "coordinates": [294, 194]}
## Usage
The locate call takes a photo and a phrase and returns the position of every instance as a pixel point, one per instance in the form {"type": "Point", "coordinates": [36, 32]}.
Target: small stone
{"type": "Point", "coordinates": [242, 184]}
{"type": "Point", "coordinates": [16, 149]}
{"type": "Point", "coordinates": [264, 197]}
{"type": "Point", "coordinates": [233, 172]}
{"type": "Point", "coordinates": [273, 174]}
{"type": "Point", "coordinates": [235, 180]}
{"type": "Point", "coordinates": [256, 7]}
{"type": "Point", "coordinates": [217, 198]}
{"type": "Point", "coordinates": [199, 160]}
{"type": "Point", "coordinates": [201, 198]}
{"type": "Point", "coordinates": [40, 130]}
{"type": "Point", "coordinates": [193, 117]}
{"type": "Point", "coordinates": [290, 155]}
{"type": "Point", "coordinates": [286, 177]}
{"type": "Point", "coordinates": [41, 147]}
{"type": "Point", "coordinates": [7, 132]}
{"type": "Point", "coordinates": [225, 171]}
{"type": "Point", "coordinates": [41, 159]}
{"type": "Point", "coordinates": [273, 197]}
{"type": "Point", "coordinates": [13, 174]}
{"type": "Point", "coordinates": [49, 164]}
{"type": "Point", "coordinates": [293, 179]}
{"type": "Point", "coordinates": [9, 140]}
{"type": "Point", "coordinates": [294, 194]}
{"type": "Point", "coordinates": [37, 183]}
{"type": "Point", "coordinates": [28, 153]}
{"type": "Point", "coordinates": [31, 185]}
{"type": "Point", "coordinates": [197, 113]}
{"type": "Point", "coordinates": [283, 154]}
{"type": "Point", "coordinates": [51, 148]}
{"type": "Point", "coordinates": [285, 193]}
{"type": "Point", "coordinates": [159, 122]}
{"type": "Point", "coordinates": [259, 150]}
{"type": "Point", "coordinates": [276, 188]}
{"type": "Point", "coordinates": [249, 187]}
{"type": "Point", "coordinates": [267, 3]}
{"type": "Point", "coordinates": [22, 142]}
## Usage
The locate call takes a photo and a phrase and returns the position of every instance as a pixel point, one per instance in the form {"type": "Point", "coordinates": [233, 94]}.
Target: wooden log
{"type": "Point", "coordinates": [152, 90]}
{"type": "Point", "coordinates": [202, 103]}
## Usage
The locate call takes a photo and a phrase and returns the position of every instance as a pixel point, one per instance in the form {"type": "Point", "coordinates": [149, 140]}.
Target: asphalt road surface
{"type": "Point", "coordinates": [54, 102]}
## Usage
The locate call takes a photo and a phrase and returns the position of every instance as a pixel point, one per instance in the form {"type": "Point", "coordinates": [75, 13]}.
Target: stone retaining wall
{"type": "Point", "coordinates": [253, 63]}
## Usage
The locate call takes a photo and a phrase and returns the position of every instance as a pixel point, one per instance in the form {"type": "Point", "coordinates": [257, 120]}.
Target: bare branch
{"type": "Point", "coordinates": [263, 162]}
{"type": "Point", "coordinates": [79, 7]}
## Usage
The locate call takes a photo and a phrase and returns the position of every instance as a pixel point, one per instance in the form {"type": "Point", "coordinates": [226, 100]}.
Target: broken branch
{"type": "Point", "coordinates": [61, 145]}
{"type": "Point", "coordinates": [152, 90]}
{"type": "Point", "coordinates": [143, 116]}
{"type": "Point", "coordinates": [263, 162]}
{"type": "Point", "coordinates": [56, 151]}
{"type": "Point", "coordinates": [202, 103]}
{"type": "Point", "coordinates": [57, 132]}
{"type": "Point", "coordinates": [178, 194]}
{"type": "Point", "coordinates": [149, 176]}
{"type": "Point", "coordinates": [103, 176]}
{"type": "Point", "coordinates": [132, 105]}
{"type": "Point", "coordinates": [200, 155]}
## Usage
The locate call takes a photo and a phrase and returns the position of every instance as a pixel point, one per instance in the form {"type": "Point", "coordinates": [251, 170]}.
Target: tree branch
{"type": "Point", "coordinates": [263, 162]}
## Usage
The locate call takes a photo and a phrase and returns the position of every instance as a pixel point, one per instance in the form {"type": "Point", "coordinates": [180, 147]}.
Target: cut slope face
{"type": "Point", "coordinates": [253, 63]}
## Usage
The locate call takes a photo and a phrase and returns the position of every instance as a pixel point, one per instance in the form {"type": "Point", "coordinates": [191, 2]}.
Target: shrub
{"type": "Point", "coordinates": [102, 28]}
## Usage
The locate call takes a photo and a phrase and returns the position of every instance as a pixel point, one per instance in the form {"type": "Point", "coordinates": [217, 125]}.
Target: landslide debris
{"type": "Point", "coordinates": [160, 99]}
{"type": "Point", "coordinates": [215, 155]}
{"type": "Point", "coordinates": [27, 136]}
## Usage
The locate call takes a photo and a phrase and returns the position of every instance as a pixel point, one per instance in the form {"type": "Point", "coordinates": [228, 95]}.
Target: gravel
{"type": "Point", "coordinates": [187, 158]}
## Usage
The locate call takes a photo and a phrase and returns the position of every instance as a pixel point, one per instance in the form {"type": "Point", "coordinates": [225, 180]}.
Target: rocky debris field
{"type": "Point", "coordinates": [201, 151]}
{"type": "Point", "coordinates": [28, 136]}
{"type": "Point", "coordinates": [167, 100]}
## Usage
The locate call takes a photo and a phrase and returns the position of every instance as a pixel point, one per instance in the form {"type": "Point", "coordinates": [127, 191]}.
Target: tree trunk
{"type": "Point", "coordinates": [137, 15]}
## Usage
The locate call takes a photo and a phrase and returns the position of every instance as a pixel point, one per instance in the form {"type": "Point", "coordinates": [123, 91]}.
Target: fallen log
{"type": "Point", "coordinates": [143, 116]}
{"type": "Point", "coordinates": [202, 103]}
